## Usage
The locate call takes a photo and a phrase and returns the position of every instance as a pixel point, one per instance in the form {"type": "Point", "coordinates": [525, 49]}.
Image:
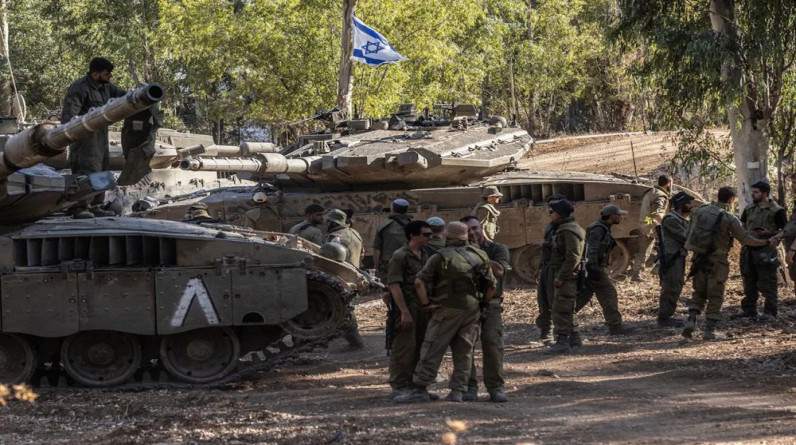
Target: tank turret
{"type": "Point", "coordinates": [29, 191]}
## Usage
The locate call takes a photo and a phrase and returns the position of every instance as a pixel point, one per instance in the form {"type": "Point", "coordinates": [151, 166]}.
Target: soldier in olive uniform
{"type": "Point", "coordinates": [411, 321]}
{"type": "Point", "coordinates": [491, 319]}
{"type": "Point", "coordinates": [310, 228]}
{"type": "Point", "coordinates": [390, 236]}
{"type": "Point", "coordinates": [599, 244]}
{"type": "Point", "coordinates": [454, 275]}
{"type": "Point", "coordinates": [486, 212]}
{"type": "Point", "coordinates": [653, 206]}
{"type": "Point", "coordinates": [710, 234]}
{"type": "Point", "coordinates": [762, 219]}
{"type": "Point", "coordinates": [90, 154]}
{"type": "Point", "coordinates": [788, 234]}
{"type": "Point", "coordinates": [545, 290]}
{"type": "Point", "coordinates": [674, 227]}
{"type": "Point", "coordinates": [437, 233]}
{"type": "Point", "coordinates": [568, 238]}
{"type": "Point", "coordinates": [340, 232]}
{"type": "Point", "coordinates": [264, 216]}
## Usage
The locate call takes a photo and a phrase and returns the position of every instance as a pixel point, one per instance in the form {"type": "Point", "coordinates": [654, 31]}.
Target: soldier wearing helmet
{"type": "Point", "coordinates": [264, 216]}
{"type": "Point", "coordinates": [486, 212]}
{"type": "Point", "coordinates": [197, 214]}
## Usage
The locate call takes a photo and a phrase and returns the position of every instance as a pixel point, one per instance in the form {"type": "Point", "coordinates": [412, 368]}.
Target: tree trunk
{"type": "Point", "coordinates": [6, 92]}
{"type": "Point", "coordinates": [345, 83]}
{"type": "Point", "coordinates": [747, 124]}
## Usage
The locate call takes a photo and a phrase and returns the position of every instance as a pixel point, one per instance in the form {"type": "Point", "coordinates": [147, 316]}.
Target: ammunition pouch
{"type": "Point", "coordinates": [700, 263]}
{"type": "Point", "coordinates": [765, 256]}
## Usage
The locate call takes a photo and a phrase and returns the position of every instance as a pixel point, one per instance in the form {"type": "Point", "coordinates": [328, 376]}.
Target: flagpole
{"type": "Point", "coordinates": [345, 83]}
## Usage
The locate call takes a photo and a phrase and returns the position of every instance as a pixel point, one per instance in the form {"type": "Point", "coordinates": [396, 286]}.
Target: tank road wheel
{"type": "Point", "coordinates": [17, 359]}
{"type": "Point", "coordinates": [326, 312]}
{"type": "Point", "coordinates": [101, 358]}
{"type": "Point", "coordinates": [525, 262]}
{"type": "Point", "coordinates": [619, 259]}
{"type": "Point", "coordinates": [200, 356]}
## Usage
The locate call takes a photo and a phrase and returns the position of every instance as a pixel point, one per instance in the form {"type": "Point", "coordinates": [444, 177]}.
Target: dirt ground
{"type": "Point", "coordinates": [648, 387]}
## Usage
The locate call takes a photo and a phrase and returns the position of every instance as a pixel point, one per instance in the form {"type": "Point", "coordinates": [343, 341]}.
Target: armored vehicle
{"type": "Point", "coordinates": [439, 165]}
{"type": "Point", "coordinates": [144, 303]}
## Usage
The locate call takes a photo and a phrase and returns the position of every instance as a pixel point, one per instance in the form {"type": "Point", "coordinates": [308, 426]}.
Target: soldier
{"type": "Point", "coordinates": [762, 219]}
{"type": "Point", "coordinates": [437, 233]}
{"type": "Point", "coordinates": [789, 235]}
{"type": "Point", "coordinates": [409, 320]}
{"type": "Point", "coordinates": [653, 207]}
{"type": "Point", "coordinates": [486, 212]}
{"type": "Point", "coordinates": [567, 250]}
{"type": "Point", "coordinates": [459, 275]}
{"type": "Point", "coordinates": [491, 318]}
{"type": "Point", "coordinates": [599, 244]}
{"type": "Point", "coordinates": [263, 216]}
{"type": "Point", "coordinates": [90, 155]}
{"type": "Point", "coordinates": [710, 234]}
{"type": "Point", "coordinates": [308, 229]}
{"type": "Point", "coordinates": [390, 236]}
{"type": "Point", "coordinates": [545, 289]}
{"type": "Point", "coordinates": [674, 227]}
{"type": "Point", "coordinates": [338, 231]}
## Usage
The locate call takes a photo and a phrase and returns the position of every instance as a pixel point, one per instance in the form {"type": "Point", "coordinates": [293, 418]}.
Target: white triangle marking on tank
{"type": "Point", "coordinates": [194, 290]}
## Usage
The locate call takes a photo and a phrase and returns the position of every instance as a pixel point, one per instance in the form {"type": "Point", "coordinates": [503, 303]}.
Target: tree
{"type": "Point", "coordinates": [727, 52]}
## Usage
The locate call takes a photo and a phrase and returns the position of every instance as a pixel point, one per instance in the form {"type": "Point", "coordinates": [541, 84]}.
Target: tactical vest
{"type": "Point", "coordinates": [607, 242]}
{"type": "Point", "coordinates": [488, 215]}
{"type": "Point", "coordinates": [352, 241]}
{"type": "Point", "coordinates": [670, 246]}
{"type": "Point", "coordinates": [459, 278]}
{"type": "Point", "coordinates": [558, 257]}
{"type": "Point", "coordinates": [547, 245]}
{"type": "Point", "coordinates": [393, 237]}
{"type": "Point", "coordinates": [761, 217]}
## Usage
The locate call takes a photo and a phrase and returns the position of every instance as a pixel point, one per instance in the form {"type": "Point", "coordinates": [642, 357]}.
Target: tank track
{"type": "Point", "coordinates": [155, 376]}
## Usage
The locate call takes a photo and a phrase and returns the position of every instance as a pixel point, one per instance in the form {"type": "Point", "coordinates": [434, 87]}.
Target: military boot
{"type": "Point", "coordinates": [455, 396]}
{"type": "Point", "coordinates": [471, 395]}
{"type": "Point", "coordinates": [355, 342]}
{"type": "Point", "coordinates": [417, 395]}
{"type": "Point", "coordinates": [546, 336]}
{"type": "Point", "coordinates": [575, 340]}
{"type": "Point", "coordinates": [710, 331]}
{"type": "Point", "coordinates": [690, 323]}
{"type": "Point", "coordinates": [561, 346]}
{"type": "Point", "coordinates": [497, 396]}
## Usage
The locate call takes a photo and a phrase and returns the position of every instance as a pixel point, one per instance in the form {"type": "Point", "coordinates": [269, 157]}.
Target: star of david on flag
{"type": "Point", "coordinates": [372, 48]}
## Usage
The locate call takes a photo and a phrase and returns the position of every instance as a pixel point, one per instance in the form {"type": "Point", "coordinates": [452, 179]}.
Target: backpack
{"type": "Point", "coordinates": [702, 231]}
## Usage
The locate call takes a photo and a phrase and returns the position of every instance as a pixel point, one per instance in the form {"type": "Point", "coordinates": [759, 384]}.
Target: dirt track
{"type": "Point", "coordinates": [650, 387]}
{"type": "Point", "coordinates": [603, 155]}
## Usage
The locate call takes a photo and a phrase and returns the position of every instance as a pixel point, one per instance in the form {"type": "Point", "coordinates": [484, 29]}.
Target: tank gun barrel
{"type": "Point", "coordinates": [261, 163]}
{"type": "Point", "coordinates": [229, 151]}
{"type": "Point", "coordinates": [48, 139]}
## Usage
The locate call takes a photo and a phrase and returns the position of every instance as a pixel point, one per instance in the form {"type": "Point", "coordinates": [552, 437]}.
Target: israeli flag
{"type": "Point", "coordinates": [372, 48]}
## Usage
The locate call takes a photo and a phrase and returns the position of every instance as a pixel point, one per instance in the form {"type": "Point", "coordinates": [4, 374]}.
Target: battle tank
{"type": "Point", "coordinates": [439, 165]}
{"type": "Point", "coordinates": [142, 303]}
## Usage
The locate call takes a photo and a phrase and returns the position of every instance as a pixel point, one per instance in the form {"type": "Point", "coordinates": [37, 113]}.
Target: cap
{"type": "Point", "coordinates": [680, 199]}
{"type": "Point", "coordinates": [259, 197]}
{"type": "Point", "coordinates": [491, 190]}
{"type": "Point", "coordinates": [400, 202]}
{"type": "Point", "coordinates": [335, 215]}
{"type": "Point", "coordinates": [200, 213]}
{"type": "Point", "coordinates": [612, 210]}
{"type": "Point", "coordinates": [456, 230]}
{"type": "Point", "coordinates": [435, 221]}
{"type": "Point", "coordinates": [563, 207]}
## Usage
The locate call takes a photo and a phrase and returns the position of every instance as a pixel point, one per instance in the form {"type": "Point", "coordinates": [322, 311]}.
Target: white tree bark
{"type": "Point", "coordinates": [345, 83]}
{"type": "Point", "coordinates": [5, 80]}
{"type": "Point", "coordinates": [747, 124]}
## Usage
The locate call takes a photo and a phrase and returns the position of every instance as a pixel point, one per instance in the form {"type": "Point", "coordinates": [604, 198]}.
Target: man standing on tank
{"type": "Point", "coordinates": [455, 300]}
{"type": "Point", "coordinates": [491, 318]}
{"type": "Point", "coordinates": [568, 238]}
{"type": "Point", "coordinates": [90, 154]}
{"type": "Point", "coordinates": [409, 328]}
{"type": "Point", "coordinates": [653, 206]}
{"type": "Point", "coordinates": [762, 219]}
{"type": "Point", "coordinates": [340, 232]}
{"type": "Point", "coordinates": [390, 236]}
{"type": "Point", "coordinates": [545, 290]}
{"type": "Point", "coordinates": [486, 212]}
{"type": "Point", "coordinates": [309, 229]}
